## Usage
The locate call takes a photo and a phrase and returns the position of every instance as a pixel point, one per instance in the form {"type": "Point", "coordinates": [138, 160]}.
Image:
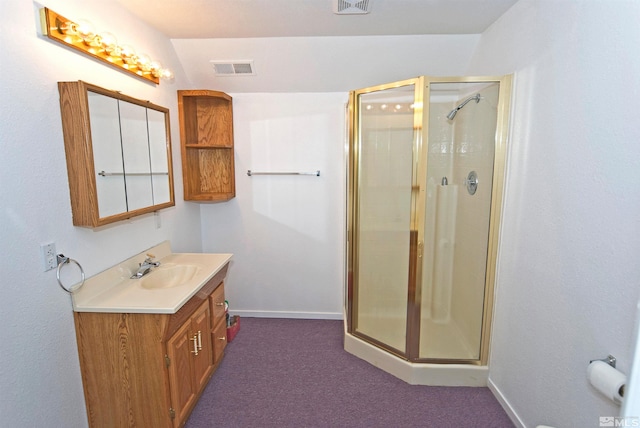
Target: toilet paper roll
{"type": "Point", "coordinates": [607, 380]}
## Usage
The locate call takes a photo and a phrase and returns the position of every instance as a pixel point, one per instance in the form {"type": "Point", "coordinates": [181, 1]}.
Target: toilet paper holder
{"type": "Point", "coordinates": [611, 360]}
{"type": "Point", "coordinates": [607, 380]}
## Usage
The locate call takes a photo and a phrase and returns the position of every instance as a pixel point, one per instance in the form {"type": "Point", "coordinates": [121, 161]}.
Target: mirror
{"type": "Point", "coordinates": [118, 153]}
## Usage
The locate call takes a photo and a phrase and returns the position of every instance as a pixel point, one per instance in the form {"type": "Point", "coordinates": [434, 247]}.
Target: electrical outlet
{"type": "Point", "coordinates": [49, 256]}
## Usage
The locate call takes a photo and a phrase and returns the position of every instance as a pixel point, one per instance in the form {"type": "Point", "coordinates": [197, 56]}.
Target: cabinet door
{"type": "Point", "coordinates": [158, 152]}
{"type": "Point", "coordinates": [190, 351]}
{"type": "Point", "coordinates": [135, 155]}
{"type": "Point", "coordinates": [203, 361]}
{"type": "Point", "coordinates": [183, 391]}
{"type": "Point", "coordinates": [107, 154]}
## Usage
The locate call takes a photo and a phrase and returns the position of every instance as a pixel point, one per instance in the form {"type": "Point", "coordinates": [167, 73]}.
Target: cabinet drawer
{"type": "Point", "coordinates": [217, 307]}
{"type": "Point", "coordinates": [219, 341]}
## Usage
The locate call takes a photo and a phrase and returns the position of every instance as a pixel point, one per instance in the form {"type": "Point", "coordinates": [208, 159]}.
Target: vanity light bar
{"type": "Point", "coordinates": [103, 46]}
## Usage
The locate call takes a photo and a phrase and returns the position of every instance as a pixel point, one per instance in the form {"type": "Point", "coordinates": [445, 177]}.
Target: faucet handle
{"type": "Point", "coordinates": [149, 260]}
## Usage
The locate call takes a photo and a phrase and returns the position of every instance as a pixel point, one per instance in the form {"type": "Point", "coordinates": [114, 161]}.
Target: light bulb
{"type": "Point", "coordinates": [109, 42]}
{"type": "Point", "coordinates": [155, 68]}
{"type": "Point", "coordinates": [166, 74]}
{"type": "Point", "coordinates": [68, 28]}
{"type": "Point", "coordinates": [85, 30]}
{"type": "Point", "coordinates": [128, 54]}
{"type": "Point", "coordinates": [144, 63]}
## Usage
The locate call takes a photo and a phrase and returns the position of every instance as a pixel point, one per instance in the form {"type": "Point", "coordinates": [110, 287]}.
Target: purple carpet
{"type": "Point", "coordinates": [295, 373]}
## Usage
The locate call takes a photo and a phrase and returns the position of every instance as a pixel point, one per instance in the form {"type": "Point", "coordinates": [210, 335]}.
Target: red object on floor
{"type": "Point", "coordinates": [233, 329]}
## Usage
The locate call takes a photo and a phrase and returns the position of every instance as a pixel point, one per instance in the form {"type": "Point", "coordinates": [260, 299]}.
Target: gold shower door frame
{"type": "Point", "coordinates": [417, 216]}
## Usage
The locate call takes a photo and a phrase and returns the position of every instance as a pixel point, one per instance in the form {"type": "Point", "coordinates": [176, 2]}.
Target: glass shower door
{"type": "Point", "coordinates": [383, 183]}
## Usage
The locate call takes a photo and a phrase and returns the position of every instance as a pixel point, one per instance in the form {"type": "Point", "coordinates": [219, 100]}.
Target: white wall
{"type": "Point", "coordinates": [568, 274]}
{"type": "Point", "coordinates": [286, 232]}
{"type": "Point", "coordinates": [39, 366]}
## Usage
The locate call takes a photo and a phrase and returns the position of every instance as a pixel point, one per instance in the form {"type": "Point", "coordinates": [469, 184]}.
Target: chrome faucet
{"type": "Point", "coordinates": [145, 267]}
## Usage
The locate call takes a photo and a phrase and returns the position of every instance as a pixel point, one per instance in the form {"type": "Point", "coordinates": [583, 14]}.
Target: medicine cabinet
{"type": "Point", "coordinates": [118, 152]}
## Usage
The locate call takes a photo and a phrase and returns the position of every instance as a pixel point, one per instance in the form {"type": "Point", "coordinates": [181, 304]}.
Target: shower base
{"type": "Point", "coordinates": [417, 373]}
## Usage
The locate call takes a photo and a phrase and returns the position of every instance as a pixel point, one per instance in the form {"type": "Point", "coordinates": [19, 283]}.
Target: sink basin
{"type": "Point", "coordinates": [168, 276]}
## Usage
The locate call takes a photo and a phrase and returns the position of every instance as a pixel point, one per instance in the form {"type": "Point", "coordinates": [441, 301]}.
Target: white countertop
{"type": "Point", "coordinates": [114, 291]}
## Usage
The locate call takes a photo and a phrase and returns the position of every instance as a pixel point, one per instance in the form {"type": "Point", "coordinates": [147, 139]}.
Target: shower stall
{"type": "Point", "coordinates": [426, 166]}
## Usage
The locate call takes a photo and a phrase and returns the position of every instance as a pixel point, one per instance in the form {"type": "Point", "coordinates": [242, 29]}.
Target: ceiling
{"type": "Point", "coordinates": [206, 19]}
{"type": "Point", "coordinates": [303, 46]}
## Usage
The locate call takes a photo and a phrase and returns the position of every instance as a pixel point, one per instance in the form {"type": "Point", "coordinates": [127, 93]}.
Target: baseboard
{"type": "Point", "coordinates": [505, 404]}
{"type": "Point", "coordinates": [287, 314]}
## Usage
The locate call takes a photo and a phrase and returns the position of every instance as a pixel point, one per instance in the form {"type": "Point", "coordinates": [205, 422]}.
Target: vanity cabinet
{"type": "Point", "coordinates": [146, 369]}
{"type": "Point", "coordinates": [206, 141]}
{"type": "Point", "coordinates": [118, 153]}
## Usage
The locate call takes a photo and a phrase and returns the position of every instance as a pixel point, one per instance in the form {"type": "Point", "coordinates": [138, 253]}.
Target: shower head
{"type": "Point", "coordinates": [453, 112]}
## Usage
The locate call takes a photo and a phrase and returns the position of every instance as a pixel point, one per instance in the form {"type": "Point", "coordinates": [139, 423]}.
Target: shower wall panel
{"type": "Point", "coordinates": [440, 167]}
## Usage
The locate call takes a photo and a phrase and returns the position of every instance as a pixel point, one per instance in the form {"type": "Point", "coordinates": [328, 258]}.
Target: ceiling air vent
{"type": "Point", "coordinates": [233, 68]}
{"type": "Point", "coordinates": [351, 7]}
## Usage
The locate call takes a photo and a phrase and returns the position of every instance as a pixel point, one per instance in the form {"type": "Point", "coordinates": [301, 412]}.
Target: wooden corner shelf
{"type": "Point", "coordinates": [206, 141]}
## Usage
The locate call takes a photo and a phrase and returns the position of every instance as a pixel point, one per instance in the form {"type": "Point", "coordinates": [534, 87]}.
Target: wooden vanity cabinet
{"type": "Point", "coordinates": [148, 370]}
{"type": "Point", "coordinates": [206, 141]}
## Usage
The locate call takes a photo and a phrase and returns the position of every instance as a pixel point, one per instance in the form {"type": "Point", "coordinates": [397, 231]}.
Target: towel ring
{"type": "Point", "coordinates": [63, 260]}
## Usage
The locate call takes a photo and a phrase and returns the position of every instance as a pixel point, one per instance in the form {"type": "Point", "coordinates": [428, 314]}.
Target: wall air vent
{"type": "Point", "coordinates": [351, 7]}
{"type": "Point", "coordinates": [233, 68]}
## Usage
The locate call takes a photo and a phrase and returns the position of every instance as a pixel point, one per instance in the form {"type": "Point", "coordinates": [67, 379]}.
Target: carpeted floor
{"type": "Point", "coordinates": [295, 373]}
